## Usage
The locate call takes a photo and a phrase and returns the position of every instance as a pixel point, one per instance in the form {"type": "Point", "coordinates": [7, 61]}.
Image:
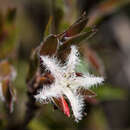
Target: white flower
{"type": "Point", "coordinates": [67, 82]}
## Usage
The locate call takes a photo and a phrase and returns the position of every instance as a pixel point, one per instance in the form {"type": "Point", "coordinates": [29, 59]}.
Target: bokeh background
{"type": "Point", "coordinates": [23, 30]}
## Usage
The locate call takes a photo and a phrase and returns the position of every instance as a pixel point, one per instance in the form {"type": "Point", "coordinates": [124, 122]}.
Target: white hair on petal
{"type": "Point", "coordinates": [73, 59]}
{"type": "Point", "coordinates": [67, 82]}
{"type": "Point", "coordinates": [52, 65]}
{"type": "Point", "coordinates": [76, 102]}
{"type": "Point", "coordinates": [87, 81]}
{"type": "Point", "coordinates": [92, 80]}
{"type": "Point", "coordinates": [47, 93]}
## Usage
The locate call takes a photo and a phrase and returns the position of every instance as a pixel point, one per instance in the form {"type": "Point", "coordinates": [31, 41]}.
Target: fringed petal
{"type": "Point", "coordinates": [47, 93]}
{"type": "Point", "coordinates": [53, 66]}
{"type": "Point", "coordinates": [86, 81]}
{"type": "Point", "coordinates": [72, 59]}
{"type": "Point", "coordinates": [76, 102]}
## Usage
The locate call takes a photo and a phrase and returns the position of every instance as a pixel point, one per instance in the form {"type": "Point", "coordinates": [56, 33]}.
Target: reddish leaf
{"type": "Point", "coordinates": [86, 92]}
{"type": "Point", "coordinates": [77, 27]}
{"type": "Point", "coordinates": [47, 78]}
{"type": "Point", "coordinates": [79, 37]}
{"type": "Point", "coordinates": [89, 95]}
{"type": "Point", "coordinates": [78, 74]}
{"type": "Point", "coordinates": [64, 49]}
{"type": "Point", "coordinates": [49, 46]}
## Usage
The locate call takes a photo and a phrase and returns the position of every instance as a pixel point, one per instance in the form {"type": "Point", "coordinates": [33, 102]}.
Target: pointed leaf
{"type": "Point", "coordinates": [86, 92]}
{"type": "Point", "coordinates": [47, 78]}
{"type": "Point", "coordinates": [78, 38]}
{"type": "Point", "coordinates": [64, 49]}
{"type": "Point", "coordinates": [77, 27]}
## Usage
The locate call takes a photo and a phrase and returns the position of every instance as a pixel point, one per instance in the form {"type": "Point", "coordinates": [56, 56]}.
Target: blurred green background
{"type": "Point", "coordinates": [22, 29]}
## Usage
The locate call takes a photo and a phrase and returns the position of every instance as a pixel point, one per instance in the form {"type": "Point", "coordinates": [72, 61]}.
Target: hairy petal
{"type": "Point", "coordinates": [76, 102]}
{"type": "Point", "coordinates": [86, 81]}
{"type": "Point", "coordinates": [67, 82]}
{"type": "Point", "coordinates": [46, 94]}
{"type": "Point", "coordinates": [72, 59]}
{"type": "Point", "coordinates": [53, 66]}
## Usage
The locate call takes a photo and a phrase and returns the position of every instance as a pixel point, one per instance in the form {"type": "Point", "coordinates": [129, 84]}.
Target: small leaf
{"type": "Point", "coordinates": [78, 38]}
{"type": "Point", "coordinates": [86, 92]}
{"type": "Point", "coordinates": [49, 46]}
{"type": "Point", "coordinates": [64, 49]}
{"type": "Point", "coordinates": [47, 78]}
{"type": "Point", "coordinates": [89, 95]}
{"type": "Point", "coordinates": [77, 27]}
